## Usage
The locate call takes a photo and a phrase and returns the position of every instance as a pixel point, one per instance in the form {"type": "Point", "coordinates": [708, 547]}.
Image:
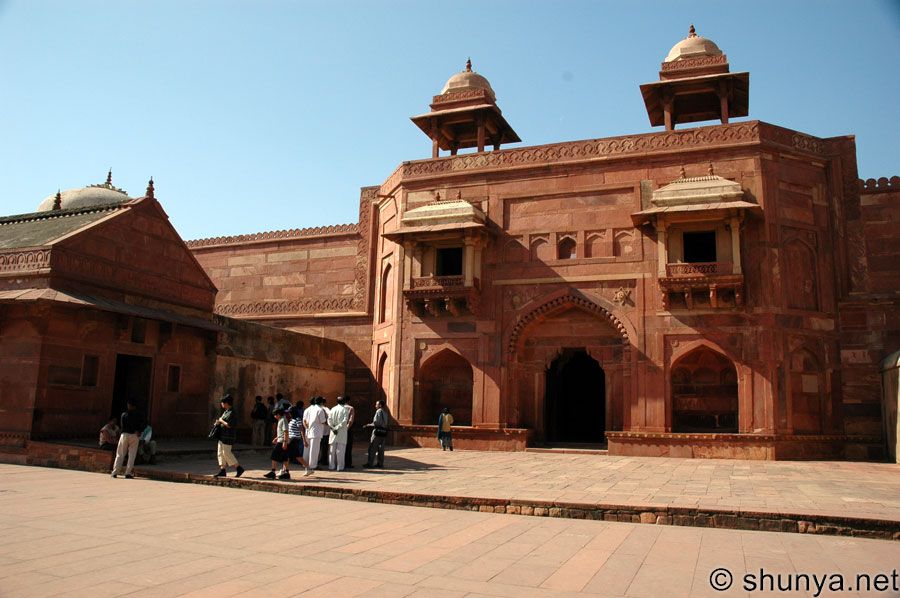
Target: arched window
{"type": "Point", "coordinates": [381, 373]}
{"type": "Point", "coordinates": [596, 245]}
{"type": "Point", "coordinates": [566, 250]}
{"type": "Point", "coordinates": [704, 393]}
{"type": "Point", "coordinates": [623, 243]}
{"type": "Point", "coordinates": [385, 308]}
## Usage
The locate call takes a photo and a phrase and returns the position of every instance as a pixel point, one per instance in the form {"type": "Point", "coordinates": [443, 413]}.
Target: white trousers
{"type": "Point", "coordinates": [226, 457]}
{"type": "Point", "coordinates": [336, 452]}
{"type": "Point", "coordinates": [128, 445]}
{"type": "Point", "coordinates": [313, 457]}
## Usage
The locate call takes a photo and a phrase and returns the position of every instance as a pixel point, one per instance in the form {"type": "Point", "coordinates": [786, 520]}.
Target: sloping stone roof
{"type": "Point", "coordinates": [43, 228]}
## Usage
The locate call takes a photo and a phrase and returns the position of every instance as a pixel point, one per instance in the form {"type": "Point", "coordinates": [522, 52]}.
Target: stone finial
{"type": "Point", "coordinates": [458, 194]}
{"type": "Point", "coordinates": [468, 65]}
{"type": "Point", "coordinates": [682, 173]}
{"type": "Point", "coordinates": [692, 32]}
{"type": "Point", "coordinates": [437, 196]}
{"type": "Point", "coordinates": [710, 170]}
{"type": "Point", "coordinates": [109, 178]}
{"type": "Point", "coordinates": [57, 201]}
{"type": "Point", "coordinates": [149, 192]}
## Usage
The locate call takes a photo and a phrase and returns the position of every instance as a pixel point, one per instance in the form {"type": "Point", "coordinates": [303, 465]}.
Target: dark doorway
{"type": "Point", "coordinates": [575, 401]}
{"type": "Point", "coordinates": [133, 375]}
{"type": "Point", "coordinates": [449, 261]}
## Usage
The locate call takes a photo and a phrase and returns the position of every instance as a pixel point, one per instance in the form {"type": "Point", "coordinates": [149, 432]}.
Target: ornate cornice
{"type": "Point", "coordinates": [693, 63]}
{"type": "Point", "coordinates": [697, 138]}
{"type": "Point", "coordinates": [24, 261]}
{"type": "Point", "coordinates": [287, 308]}
{"type": "Point", "coordinates": [275, 235]}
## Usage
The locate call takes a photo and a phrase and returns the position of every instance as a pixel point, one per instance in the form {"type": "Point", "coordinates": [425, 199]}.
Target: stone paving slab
{"type": "Point", "coordinates": [69, 533]}
{"type": "Point", "coordinates": [815, 488]}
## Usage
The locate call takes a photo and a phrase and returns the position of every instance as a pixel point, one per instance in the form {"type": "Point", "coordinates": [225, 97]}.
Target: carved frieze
{"type": "Point", "coordinates": [24, 261]}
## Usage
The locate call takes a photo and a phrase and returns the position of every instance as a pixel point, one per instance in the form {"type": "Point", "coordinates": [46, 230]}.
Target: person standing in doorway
{"type": "Point", "coordinates": [227, 436]}
{"type": "Point", "coordinates": [376, 441]}
{"type": "Point", "coordinates": [445, 429]}
{"type": "Point", "coordinates": [259, 415]}
{"type": "Point", "coordinates": [348, 452]}
{"type": "Point", "coordinates": [337, 422]}
{"type": "Point", "coordinates": [314, 420]}
{"type": "Point", "coordinates": [132, 426]}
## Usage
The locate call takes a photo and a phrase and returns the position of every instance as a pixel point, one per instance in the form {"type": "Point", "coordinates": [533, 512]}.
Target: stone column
{"type": "Point", "coordinates": [736, 245]}
{"type": "Point", "coordinates": [662, 247]}
{"type": "Point", "coordinates": [469, 261]}
{"type": "Point", "coordinates": [408, 247]}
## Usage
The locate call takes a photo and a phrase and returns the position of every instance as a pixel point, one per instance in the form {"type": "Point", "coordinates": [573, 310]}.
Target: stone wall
{"type": "Point", "coordinates": [870, 314]}
{"type": "Point", "coordinates": [253, 359]}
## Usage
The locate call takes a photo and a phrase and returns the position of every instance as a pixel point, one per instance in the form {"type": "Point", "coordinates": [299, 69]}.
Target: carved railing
{"type": "Point", "coordinates": [438, 282]}
{"type": "Point", "coordinates": [699, 269]}
{"type": "Point", "coordinates": [28, 260]}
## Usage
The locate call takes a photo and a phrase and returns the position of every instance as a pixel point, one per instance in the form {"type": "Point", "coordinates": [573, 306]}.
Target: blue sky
{"type": "Point", "coordinates": [263, 115]}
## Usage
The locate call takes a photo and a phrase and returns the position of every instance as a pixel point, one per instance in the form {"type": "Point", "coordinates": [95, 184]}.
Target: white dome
{"type": "Point", "coordinates": [693, 46]}
{"type": "Point", "coordinates": [92, 195]}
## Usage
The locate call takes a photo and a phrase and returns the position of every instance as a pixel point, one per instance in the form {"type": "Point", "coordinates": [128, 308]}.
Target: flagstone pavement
{"type": "Point", "coordinates": [69, 533]}
{"type": "Point", "coordinates": [836, 488]}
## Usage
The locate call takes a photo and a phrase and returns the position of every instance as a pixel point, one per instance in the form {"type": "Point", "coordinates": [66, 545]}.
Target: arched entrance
{"type": "Point", "coordinates": [575, 399]}
{"type": "Point", "coordinates": [445, 380]}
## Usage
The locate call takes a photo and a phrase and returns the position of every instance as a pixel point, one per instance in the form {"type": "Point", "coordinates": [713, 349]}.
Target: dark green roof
{"type": "Point", "coordinates": [42, 228]}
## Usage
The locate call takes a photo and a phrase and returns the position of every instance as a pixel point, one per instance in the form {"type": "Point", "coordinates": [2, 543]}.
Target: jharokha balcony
{"type": "Point", "coordinates": [702, 285]}
{"type": "Point", "coordinates": [442, 295]}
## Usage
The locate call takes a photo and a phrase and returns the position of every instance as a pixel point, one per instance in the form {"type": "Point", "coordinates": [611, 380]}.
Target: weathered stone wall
{"type": "Point", "coordinates": [254, 359]}
{"type": "Point", "coordinates": [20, 355]}
{"type": "Point", "coordinates": [870, 314]}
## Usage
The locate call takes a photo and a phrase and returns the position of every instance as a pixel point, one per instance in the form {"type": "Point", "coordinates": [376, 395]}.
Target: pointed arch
{"type": "Point", "coordinates": [704, 390]}
{"type": "Point", "coordinates": [567, 248]}
{"type": "Point", "coordinates": [385, 306]}
{"type": "Point", "coordinates": [558, 302]}
{"type": "Point", "coordinates": [444, 379]}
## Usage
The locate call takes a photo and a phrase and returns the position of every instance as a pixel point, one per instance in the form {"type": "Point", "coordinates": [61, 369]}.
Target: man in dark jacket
{"type": "Point", "coordinates": [132, 426]}
{"type": "Point", "coordinates": [227, 434]}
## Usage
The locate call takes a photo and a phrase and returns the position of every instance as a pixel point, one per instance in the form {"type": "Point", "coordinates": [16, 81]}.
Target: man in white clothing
{"type": "Point", "coordinates": [338, 418]}
{"type": "Point", "coordinates": [314, 420]}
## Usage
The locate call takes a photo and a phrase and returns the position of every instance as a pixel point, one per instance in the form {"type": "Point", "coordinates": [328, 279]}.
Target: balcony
{"type": "Point", "coordinates": [442, 295]}
{"type": "Point", "coordinates": [700, 285]}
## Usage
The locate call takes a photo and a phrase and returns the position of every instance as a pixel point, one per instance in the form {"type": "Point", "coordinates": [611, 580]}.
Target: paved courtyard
{"type": "Point", "coordinates": [848, 489]}
{"type": "Point", "coordinates": [67, 533]}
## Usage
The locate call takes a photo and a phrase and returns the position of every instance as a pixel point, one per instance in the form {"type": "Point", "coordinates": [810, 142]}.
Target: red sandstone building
{"type": "Point", "coordinates": [725, 290]}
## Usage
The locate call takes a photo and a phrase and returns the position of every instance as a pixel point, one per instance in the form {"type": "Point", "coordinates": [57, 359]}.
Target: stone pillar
{"type": "Point", "coordinates": [469, 261]}
{"type": "Point", "coordinates": [662, 248]}
{"type": "Point", "coordinates": [479, 121]}
{"type": "Point", "coordinates": [408, 247]}
{"type": "Point", "coordinates": [736, 244]}
{"type": "Point", "coordinates": [435, 140]}
{"type": "Point", "coordinates": [723, 101]}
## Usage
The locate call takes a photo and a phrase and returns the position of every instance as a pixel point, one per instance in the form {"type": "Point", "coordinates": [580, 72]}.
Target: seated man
{"type": "Point", "coordinates": [109, 435]}
{"type": "Point", "coordinates": [147, 446]}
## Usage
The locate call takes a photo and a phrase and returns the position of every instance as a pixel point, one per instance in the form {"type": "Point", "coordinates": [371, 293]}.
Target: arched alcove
{"type": "Point", "coordinates": [444, 380]}
{"type": "Point", "coordinates": [566, 249]}
{"type": "Point", "coordinates": [704, 393]}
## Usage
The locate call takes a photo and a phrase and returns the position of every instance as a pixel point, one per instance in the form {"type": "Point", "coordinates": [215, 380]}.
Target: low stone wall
{"type": "Point", "coordinates": [65, 456]}
{"type": "Point", "coordinates": [465, 438]}
{"type": "Point", "coordinates": [656, 515]}
{"type": "Point", "coordinates": [740, 446]}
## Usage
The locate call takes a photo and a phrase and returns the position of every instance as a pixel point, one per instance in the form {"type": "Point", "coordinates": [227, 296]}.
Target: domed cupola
{"type": "Point", "coordinates": [103, 194]}
{"type": "Point", "coordinates": [695, 85]}
{"type": "Point", "coordinates": [465, 114]}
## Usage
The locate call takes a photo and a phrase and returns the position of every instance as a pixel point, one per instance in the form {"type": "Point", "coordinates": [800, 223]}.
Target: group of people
{"type": "Point", "coordinates": [305, 437]}
{"type": "Point", "coordinates": [130, 436]}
